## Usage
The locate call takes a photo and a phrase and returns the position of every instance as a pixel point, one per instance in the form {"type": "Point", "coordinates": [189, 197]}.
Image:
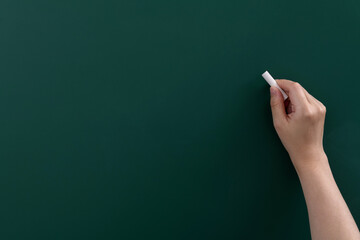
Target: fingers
{"type": "Point", "coordinates": [277, 107]}
{"type": "Point", "coordinates": [311, 98]}
{"type": "Point", "coordinates": [295, 91]}
{"type": "Point", "coordinates": [299, 96]}
{"type": "Point", "coordinates": [315, 102]}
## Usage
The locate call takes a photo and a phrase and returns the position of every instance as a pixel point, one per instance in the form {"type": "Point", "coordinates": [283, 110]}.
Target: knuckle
{"type": "Point", "coordinates": [297, 85]}
{"type": "Point", "coordinates": [314, 114]}
{"type": "Point", "coordinates": [310, 114]}
{"type": "Point", "coordinates": [323, 109]}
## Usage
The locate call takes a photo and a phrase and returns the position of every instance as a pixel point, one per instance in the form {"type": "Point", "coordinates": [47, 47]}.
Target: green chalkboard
{"type": "Point", "coordinates": [139, 119]}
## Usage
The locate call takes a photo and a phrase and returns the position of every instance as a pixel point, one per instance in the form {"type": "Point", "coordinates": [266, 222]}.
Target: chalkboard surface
{"type": "Point", "coordinates": [150, 120]}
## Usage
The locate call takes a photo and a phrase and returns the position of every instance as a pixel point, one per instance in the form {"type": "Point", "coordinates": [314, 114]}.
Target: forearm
{"type": "Point", "coordinates": [329, 215]}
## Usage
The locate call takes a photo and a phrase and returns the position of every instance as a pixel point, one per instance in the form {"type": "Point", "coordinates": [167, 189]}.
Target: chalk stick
{"type": "Point", "coordinates": [270, 80]}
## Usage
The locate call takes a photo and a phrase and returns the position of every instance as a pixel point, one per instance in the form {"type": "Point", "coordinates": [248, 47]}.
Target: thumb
{"type": "Point", "coordinates": [277, 106]}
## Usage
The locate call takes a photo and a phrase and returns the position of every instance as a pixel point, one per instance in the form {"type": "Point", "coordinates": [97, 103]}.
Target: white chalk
{"type": "Point", "coordinates": [270, 80]}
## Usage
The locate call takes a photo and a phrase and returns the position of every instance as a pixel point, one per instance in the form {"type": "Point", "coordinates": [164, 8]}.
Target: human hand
{"type": "Point", "coordinates": [299, 122]}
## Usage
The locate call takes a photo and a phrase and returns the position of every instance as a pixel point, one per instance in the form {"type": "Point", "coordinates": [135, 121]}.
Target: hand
{"type": "Point", "coordinates": [299, 122]}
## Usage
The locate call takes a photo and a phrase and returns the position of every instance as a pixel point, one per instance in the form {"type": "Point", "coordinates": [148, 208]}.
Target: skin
{"type": "Point", "coordinates": [299, 122]}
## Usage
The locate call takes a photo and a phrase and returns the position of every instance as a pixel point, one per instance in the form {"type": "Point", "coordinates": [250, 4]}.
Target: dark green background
{"type": "Point", "coordinates": [150, 119]}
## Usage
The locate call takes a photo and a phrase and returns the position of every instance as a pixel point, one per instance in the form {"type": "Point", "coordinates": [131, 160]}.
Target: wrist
{"type": "Point", "coordinates": [310, 162]}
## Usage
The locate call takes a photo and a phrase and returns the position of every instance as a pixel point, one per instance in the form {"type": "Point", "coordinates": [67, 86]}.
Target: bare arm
{"type": "Point", "coordinates": [299, 124]}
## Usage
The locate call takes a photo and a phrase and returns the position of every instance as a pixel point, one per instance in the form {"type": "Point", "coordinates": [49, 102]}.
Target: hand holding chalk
{"type": "Point", "coordinates": [301, 128]}
{"type": "Point", "coordinates": [271, 81]}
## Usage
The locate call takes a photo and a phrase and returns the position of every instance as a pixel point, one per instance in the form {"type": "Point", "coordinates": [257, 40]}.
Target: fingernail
{"type": "Point", "coordinates": [272, 91]}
